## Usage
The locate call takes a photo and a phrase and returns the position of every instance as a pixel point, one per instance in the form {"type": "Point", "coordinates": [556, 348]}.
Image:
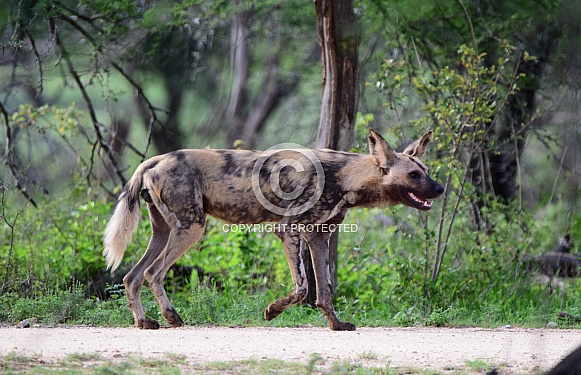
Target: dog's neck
{"type": "Point", "coordinates": [373, 194]}
{"type": "Point", "coordinates": [359, 172]}
{"type": "Point", "coordinates": [368, 194]}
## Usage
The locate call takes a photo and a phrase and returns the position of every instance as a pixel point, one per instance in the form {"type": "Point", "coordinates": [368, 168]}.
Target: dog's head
{"type": "Point", "coordinates": [405, 178]}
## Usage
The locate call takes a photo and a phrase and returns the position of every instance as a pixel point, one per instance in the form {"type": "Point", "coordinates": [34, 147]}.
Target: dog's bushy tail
{"type": "Point", "coordinates": [124, 221]}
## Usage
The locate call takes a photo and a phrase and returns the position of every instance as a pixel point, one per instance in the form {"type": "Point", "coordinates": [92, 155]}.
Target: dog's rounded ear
{"type": "Point", "coordinates": [418, 148]}
{"type": "Point", "coordinates": [382, 154]}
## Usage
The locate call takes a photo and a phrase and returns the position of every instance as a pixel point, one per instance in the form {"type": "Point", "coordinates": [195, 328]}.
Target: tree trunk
{"type": "Point", "coordinates": [240, 60]}
{"type": "Point", "coordinates": [246, 116]}
{"type": "Point", "coordinates": [340, 90]}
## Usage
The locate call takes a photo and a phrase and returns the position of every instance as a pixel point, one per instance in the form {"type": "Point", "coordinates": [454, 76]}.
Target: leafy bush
{"type": "Point", "coordinates": [55, 245]}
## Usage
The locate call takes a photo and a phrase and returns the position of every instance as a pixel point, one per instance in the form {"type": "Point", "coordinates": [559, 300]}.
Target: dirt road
{"type": "Point", "coordinates": [515, 350]}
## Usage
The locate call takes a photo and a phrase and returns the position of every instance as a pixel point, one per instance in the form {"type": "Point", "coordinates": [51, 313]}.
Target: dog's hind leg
{"type": "Point", "coordinates": [180, 240]}
{"type": "Point", "coordinates": [134, 278]}
{"type": "Point", "coordinates": [292, 247]}
{"type": "Point", "coordinates": [319, 245]}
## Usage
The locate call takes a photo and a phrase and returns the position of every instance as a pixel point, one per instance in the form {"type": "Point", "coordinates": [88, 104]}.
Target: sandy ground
{"type": "Point", "coordinates": [515, 351]}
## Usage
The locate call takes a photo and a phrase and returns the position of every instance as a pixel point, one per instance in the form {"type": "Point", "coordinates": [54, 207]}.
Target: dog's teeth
{"type": "Point", "coordinates": [413, 196]}
{"type": "Point", "coordinates": [425, 203]}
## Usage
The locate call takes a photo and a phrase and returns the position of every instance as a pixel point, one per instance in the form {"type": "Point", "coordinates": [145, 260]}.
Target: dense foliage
{"type": "Point", "coordinates": [384, 275]}
{"type": "Point", "coordinates": [66, 154]}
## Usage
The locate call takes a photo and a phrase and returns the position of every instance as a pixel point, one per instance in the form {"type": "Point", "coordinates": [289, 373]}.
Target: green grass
{"type": "Point", "coordinates": [203, 307]}
{"type": "Point", "coordinates": [480, 365]}
{"type": "Point", "coordinates": [384, 273]}
{"type": "Point", "coordinates": [172, 364]}
{"type": "Point", "coordinates": [83, 363]}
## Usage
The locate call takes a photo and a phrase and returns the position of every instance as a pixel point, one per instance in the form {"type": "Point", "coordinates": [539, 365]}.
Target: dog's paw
{"type": "Point", "coordinates": [173, 318]}
{"type": "Point", "coordinates": [343, 326]}
{"type": "Point", "coordinates": [148, 324]}
{"type": "Point", "coordinates": [271, 312]}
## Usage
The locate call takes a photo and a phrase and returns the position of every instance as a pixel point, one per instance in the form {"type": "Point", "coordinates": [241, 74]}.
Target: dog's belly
{"type": "Point", "coordinates": [239, 213]}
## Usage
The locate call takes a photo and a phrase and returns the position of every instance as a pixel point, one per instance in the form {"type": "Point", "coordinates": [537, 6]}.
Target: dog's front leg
{"type": "Point", "coordinates": [319, 245]}
{"type": "Point", "coordinates": [291, 242]}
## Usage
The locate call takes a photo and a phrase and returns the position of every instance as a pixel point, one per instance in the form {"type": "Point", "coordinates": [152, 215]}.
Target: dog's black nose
{"type": "Point", "coordinates": [439, 189]}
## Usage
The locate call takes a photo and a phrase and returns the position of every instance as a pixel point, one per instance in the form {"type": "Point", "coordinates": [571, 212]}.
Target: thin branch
{"type": "Point", "coordinates": [519, 175]}
{"type": "Point", "coordinates": [472, 34]}
{"type": "Point", "coordinates": [438, 265]}
{"type": "Point", "coordinates": [7, 146]}
{"type": "Point", "coordinates": [92, 161]}
{"type": "Point", "coordinates": [82, 16]}
{"type": "Point", "coordinates": [79, 28]}
{"type": "Point", "coordinates": [8, 156]}
{"type": "Point", "coordinates": [139, 90]}
{"type": "Point", "coordinates": [557, 177]}
{"type": "Point", "coordinates": [153, 119]}
{"type": "Point", "coordinates": [84, 162]}
{"type": "Point", "coordinates": [38, 62]}
{"type": "Point", "coordinates": [90, 108]}
{"type": "Point", "coordinates": [548, 148]}
{"type": "Point", "coordinates": [130, 146]}
{"type": "Point", "coordinates": [10, 225]}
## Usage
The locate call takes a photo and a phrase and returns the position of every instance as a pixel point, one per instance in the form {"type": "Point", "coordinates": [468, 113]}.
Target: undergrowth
{"type": "Point", "coordinates": [382, 279]}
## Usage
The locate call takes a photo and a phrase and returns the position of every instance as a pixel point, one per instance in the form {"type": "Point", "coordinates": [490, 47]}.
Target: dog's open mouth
{"type": "Point", "coordinates": [419, 203]}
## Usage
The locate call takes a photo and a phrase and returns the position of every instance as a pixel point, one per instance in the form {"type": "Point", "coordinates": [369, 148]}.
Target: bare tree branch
{"type": "Point", "coordinates": [39, 88]}
{"type": "Point", "coordinates": [8, 157]}
{"type": "Point", "coordinates": [89, 104]}
{"type": "Point", "coordinates": [153, 118]}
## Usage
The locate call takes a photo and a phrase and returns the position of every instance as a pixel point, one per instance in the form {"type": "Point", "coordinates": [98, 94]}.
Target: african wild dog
{"type": "Point", "coordinates": [555, 265]}
{"type": "Point", "coordinates": [248, 187]}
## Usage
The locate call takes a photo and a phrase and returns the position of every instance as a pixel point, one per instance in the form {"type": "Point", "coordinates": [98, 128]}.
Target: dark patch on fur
{"type": "Point", "coordinates": [419, 165]}
{"type": "Point", "coordinates": [131, 201]}
{"type": "Point", "coordinates": [237, 163]}
{"type": "Point", "coordinates": [179, 155]}
{"type": "Point", "coordinates": [154, 177]}
{"type": "Point", "coordinates": [332, 181]}
{"type": "Point", "coordinates": [152, 164]}
{"type": "Point", "coordinates": [230, 167]}
{"type": "Point", "coordinates": [145, 195]}
{"type": "Point", "coordinates": [185, 198]}
{"type": "Point", "coordinates": [238, 212]}
{"type": "Point", "coordinates": [175, 171]}
{"type": "Point", "coordinates": [265, 172]}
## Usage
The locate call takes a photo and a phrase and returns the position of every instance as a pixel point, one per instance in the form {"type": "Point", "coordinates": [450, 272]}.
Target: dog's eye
{"type": "Point", "coordinates": [414, 174]}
